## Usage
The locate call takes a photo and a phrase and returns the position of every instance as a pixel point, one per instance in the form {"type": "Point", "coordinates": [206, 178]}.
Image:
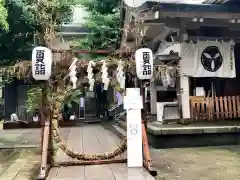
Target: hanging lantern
{"type": "Point", "coordinates": [41, 63]}
{"type": "Point", "coordinates": [144, 63]}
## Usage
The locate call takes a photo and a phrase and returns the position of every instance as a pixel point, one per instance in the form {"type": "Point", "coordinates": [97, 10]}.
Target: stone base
{"type": "Point", "coordinates": [184, 121]}
{"type": "Point", "coordinates": [21, 125]}
{"type": "Point", "coordinates": [193, 135]}
{"type": "Point", "coordinates": [196, 140]}
{"type": "Point", "coordinates": [70, 123]}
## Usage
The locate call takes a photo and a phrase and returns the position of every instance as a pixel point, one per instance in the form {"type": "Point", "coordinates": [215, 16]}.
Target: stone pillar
{"type": "Point", "coordinates": [153, 98]}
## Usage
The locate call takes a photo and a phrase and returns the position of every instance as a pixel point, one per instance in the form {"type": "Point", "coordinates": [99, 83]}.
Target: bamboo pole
{"type": "Point", "coordinates": [46, 140]}
{"type": "Point", "coordinates": [147, 161]}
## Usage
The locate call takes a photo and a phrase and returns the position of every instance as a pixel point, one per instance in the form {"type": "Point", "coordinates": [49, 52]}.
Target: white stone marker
{"type": "Point", "coordinates": [133, 104]}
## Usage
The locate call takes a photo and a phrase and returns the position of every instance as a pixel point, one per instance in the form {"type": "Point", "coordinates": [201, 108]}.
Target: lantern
{"type": "Point", "coordinates": [144, 63]}
{"type": "Point", "coordinates": [41, 63]}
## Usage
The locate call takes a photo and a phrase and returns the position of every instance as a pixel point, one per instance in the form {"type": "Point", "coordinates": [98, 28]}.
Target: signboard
{"type": "Point", "coordinates": [133, 105]}
{"type": "Point", "coordinates": [144, 63]}
{"type": "Point", "coordinates": [41, 63]}
{"type": "Point", "coordinates": [82, 108]}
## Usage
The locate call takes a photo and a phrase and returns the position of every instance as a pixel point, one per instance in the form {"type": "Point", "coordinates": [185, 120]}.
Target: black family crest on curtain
{"type": "Point", "coordinates": [211, 58]}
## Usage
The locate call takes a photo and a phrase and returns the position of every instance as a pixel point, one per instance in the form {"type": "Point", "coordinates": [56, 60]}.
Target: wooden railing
{"type": "Point", "coordinates": [208, 108]}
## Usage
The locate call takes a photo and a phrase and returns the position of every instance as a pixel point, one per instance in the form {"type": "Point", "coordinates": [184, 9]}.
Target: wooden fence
{"type": "Point", "coordinates": [217, 108]}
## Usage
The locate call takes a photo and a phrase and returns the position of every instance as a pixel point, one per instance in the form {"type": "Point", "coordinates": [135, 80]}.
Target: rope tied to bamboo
{"type": "Point", "coordinates": [59, 97]}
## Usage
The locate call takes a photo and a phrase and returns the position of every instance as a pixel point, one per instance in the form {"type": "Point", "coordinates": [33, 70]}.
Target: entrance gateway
{"type": "Point", "coordinates": [136, 130]}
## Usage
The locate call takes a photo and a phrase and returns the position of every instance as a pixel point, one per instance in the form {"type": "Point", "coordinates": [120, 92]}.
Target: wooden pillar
{"type": "Point", "coordinates": [153, 98]}
{"type": "Point", "coordinates": [184, 83]}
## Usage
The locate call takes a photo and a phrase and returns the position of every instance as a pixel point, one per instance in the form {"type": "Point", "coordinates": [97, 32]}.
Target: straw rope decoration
{"type": "Point", "coordinates": [22, 70]}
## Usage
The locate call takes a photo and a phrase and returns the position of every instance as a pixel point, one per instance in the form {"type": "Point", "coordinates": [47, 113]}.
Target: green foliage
{"type": "Point", "coordinates": [48, 12]}
{"type": "Point", "coordinates": [73, 97]}
{"type": "Point", "coordinates": [103, 23]}
{"type": "Point", "coordinates": [25, 19]}
{"type": "Point", "coordinates": [34, 96]}
{"type": "Point", "coordinates": [101, 6]}
{"type": "Point", "coordinates": [3, 17]}
{"type": "Point", "coordinates": [17, 42]}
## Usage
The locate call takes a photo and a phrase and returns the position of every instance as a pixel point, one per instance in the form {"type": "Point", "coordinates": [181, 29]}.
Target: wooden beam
{"type": "Point", "coordinates": [195, 38]}
{"type": "Point", "coordinates": [150, 15]}
{"type": "Point", "coordinates": [177, 23]}
{"type": "Point", "coordinates": [83, 51]}
{"type": "Point", "coordinates": [189, 8]}
{"type": "Point", "coordinates": [161, 36]}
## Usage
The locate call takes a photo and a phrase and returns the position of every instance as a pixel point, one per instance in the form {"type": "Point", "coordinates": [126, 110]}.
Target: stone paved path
{"type": "Point", "coordinates": [24, 138]}
{"type": "Point", "coordinates": [20, 154]}
{"type": "Point", "coordinates": [19, 164]}
{"type": "Point", "coordinates": [94, 139]}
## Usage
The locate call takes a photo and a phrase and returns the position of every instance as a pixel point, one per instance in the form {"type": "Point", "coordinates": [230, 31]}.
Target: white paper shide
{"type": "Point", "coordinates": [91, 80]}
{"type": "Point", "coordinates": [105, 79]}
{"type": "Point", "coordinates": [41, 63]}
{"type": "Point", "coordinates": [144, 63]}
{"type": "Point", "coordinates": [121, 75]}
{"type": "Point", "coordinates": [73, 73]}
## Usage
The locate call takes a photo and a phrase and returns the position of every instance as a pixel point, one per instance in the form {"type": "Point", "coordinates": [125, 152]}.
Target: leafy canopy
{"type": "Point", "coordinates": [26, 19]}
{"type": "Point", "coordinates": [103, 23]}
{"type": "Point", "coordinates": [3, 17]}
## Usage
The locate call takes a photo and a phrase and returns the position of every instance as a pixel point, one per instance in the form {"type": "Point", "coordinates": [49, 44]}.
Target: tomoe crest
{"type": "Point", "coordinates": [211, 58]}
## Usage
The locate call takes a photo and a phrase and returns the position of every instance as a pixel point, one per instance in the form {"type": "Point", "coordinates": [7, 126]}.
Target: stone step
{"type": "Point", "coordinates": [122, 124]}
{"type": "Point", "coordinates": [121, 132]}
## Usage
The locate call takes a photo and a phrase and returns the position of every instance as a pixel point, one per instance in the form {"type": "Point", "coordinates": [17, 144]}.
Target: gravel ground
{"type": "Point", "coordinates": [207, 163]}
